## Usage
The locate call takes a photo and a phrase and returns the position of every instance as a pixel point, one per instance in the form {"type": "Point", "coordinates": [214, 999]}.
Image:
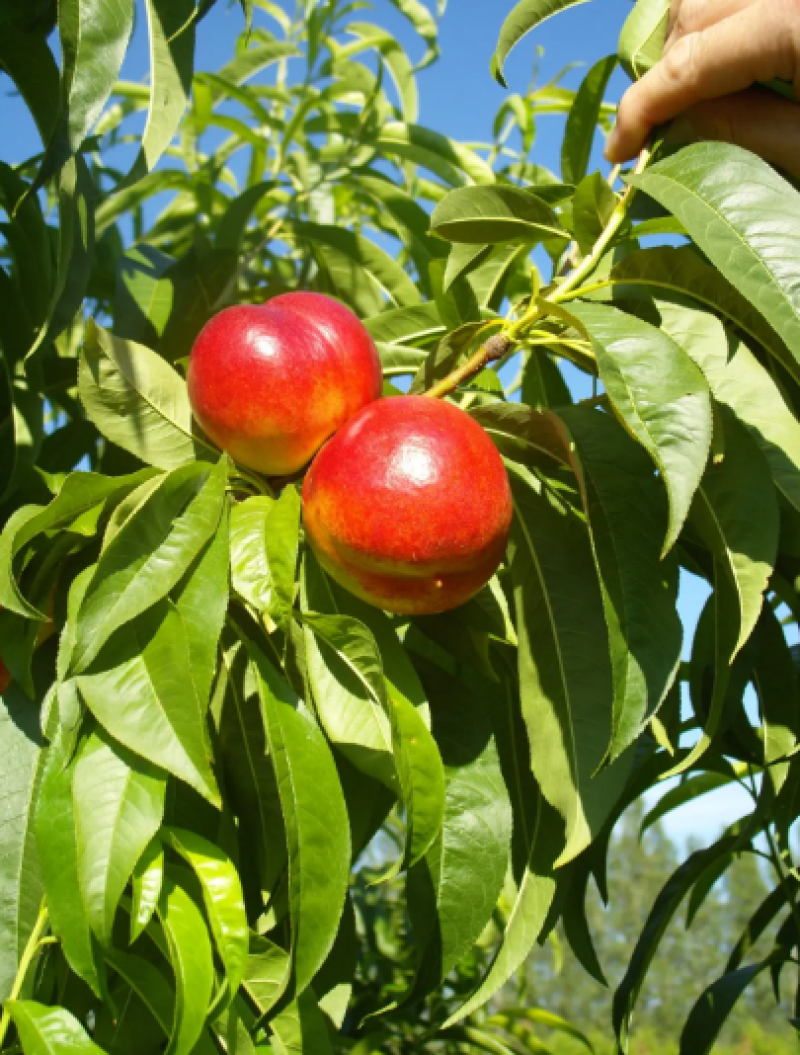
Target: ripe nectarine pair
{"type": "Point", "coordinates": [408, 505]}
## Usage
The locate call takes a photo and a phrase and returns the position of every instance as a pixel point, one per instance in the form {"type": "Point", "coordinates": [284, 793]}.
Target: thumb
{"type": "Point", "coordinates": [756, 119]}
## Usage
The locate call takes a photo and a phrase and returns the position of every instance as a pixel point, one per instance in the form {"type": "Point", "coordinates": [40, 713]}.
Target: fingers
{"type": "Point", "coordinates": [691, 16]}
{"type": "Point", "coordinates": [757, 120]}
{"type": "Point", "coordinates": [755, 44]}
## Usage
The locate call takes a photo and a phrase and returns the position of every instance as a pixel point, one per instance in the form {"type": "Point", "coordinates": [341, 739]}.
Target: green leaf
{"type": "Point", "coordinates": [579, 133]}
{"type": "Point", "coordinates": [660, 396]}
{"type": "Point", "coordinates": [642, 38]}
{"type": "Point", "coordinates": [736, 513]}
{"type": "Point", "coordinates": [149, 984]}
{"type": "Point", "coordinates": [150, 554]}
{"type": "Point", "coordinates": [140, 688]}
{"type": "Point", "coordinates": [249, 773]}
{"type": "Point", "coordinates": [119, 804]}
{"type": "Point", "coordinates": [346, 676]}
{"type": "Point", "coordinates": [21, 887]}
{"type": "Point", "coordinates": [691, 788]}
{"type": "Point", "coordinates": [747, 234]}
{"type": "Point", "coordinates": [281, 544]}
{"type": "Point", "coordinates": [756, 925]}
{"type": "Point", "coordinates": [266, 974]}
{"type": "Point", "coordinates": [343, 251]}
{"type": "Point", "coordinates": [78, 506]}
{"type": "Point", "coordinates": [192, 963]}
{"type": "Point", "coordinates": [424, 23]}
{"type": "Point", "coordinates": [524, 16]}
{"type": "Point", "coordinates": [138, 401]}
{"type": "Point", "coordinates": [301, 1029]}
{"type": "Point", "coordinates": [538, 838]}
{"type": "Point", "coordinates": [708, 1015]}
{"type": "Point", "coordinates": [315, 816]}
{"type": "Point", "coordinates": [76, 248]}
{"type": "Point", "coordinates": [29, 62]}
{"type": "Point", "coordinates": [250, 572]}
{"type": "Point", "coordinates": [523, 434]}
{"type": "Point", "coordinates": [257, 57]}
{"type": "Point", "coordinates": [738, 380]}
{"type": "Point", "coordinates": [639, 589]}
{"type": "Point", "coordinates": [453, 890]}
{"type": "Point", "coordinates": [592, 207]}
{"type": "Point", "coordinates": [202, 601]}
{"type": "Point", "coordinates": [564, 669]}
{"type": "Point", "coordinates": [776, 684]}
{"type": "Point", "coordinates": [57, 841]}
{"type": "Point", "coordinates": [49, 1030]}
{"type": "Point", "coordinates": [461, 260]}
{"type": "Point", "coordinates": [148, 879]}
{"type": "Point", "coordinates": [326, 596]}
{"type": "Point", "coordinates": [171, 58]}
{"type": "Point", "coordinates": [543, 385]}
{"type": "Point", "coordinates": [682, 270]}
{"type": "Point", "coordinates": [664, 908]}
{"type": "Point", "coordinates": [222, 896]}
{"type": "Point", "coordinates": [94, 36]}
{"type": "Point", "coordinates": [421, 772]}
{"type": "Point", "coordinates": [452, 162]}
{"type": "Point", "coordinates": [142, 301]}
{"type": "Point", "coordinates": [487, 215]}
{"type": "Point", "coordinates": [405, 324]}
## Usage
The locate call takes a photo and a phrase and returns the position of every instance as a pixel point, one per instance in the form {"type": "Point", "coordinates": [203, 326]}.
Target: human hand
{"type": "Point", "coordinates": [716, 51]}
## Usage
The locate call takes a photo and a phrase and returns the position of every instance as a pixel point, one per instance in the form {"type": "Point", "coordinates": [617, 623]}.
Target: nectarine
{"type": "Point", "coordinates": [270, 383]}
{"type": "Point", "coordinates": [409, 505]}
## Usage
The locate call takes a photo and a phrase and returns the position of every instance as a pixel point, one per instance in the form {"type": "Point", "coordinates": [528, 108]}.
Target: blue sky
{"type": "Point", "coordinates": [459, 98]}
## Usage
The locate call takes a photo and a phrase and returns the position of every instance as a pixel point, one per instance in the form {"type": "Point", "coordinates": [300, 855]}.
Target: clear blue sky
{"type": "Point", "coordinates": [459, 98]}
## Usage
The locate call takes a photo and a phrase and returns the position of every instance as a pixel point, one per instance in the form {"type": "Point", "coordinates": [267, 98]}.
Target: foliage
{"type": "Point", "coordinates": [201, 733]}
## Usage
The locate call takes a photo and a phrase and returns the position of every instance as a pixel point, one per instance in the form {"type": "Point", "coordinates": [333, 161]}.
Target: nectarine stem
{"type": "Point", "coordinates": [495, 348]}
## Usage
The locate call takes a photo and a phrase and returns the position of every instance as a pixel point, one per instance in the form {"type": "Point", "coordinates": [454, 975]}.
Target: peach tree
{"type": "Point", "coordinates": [243, 810]}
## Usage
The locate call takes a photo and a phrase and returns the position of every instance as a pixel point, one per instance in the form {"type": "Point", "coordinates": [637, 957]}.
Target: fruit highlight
{"type": "Point", "coordinates": [270, 383]}
{"type": "Point", "coordinates": [409, 506]}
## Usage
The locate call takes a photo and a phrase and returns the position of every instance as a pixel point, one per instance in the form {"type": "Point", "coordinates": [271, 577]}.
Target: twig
{"type": "Point", "coordinates": [495, 348]}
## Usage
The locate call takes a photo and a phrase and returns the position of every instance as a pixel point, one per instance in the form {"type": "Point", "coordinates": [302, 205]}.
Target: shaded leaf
{"type": "Point", "coordinates": [140, 688]}
{"type": "Point", "coordinates": [564, 670]}
{"type": "Point", "coordinates": [316, 822]}
{"type": "Point", "coordinates": [639, 589]}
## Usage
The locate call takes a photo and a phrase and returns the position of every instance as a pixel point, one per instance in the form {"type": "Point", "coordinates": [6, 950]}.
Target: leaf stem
{"type": "Point", "coordinates": [495, 348]}
{"type": "Point", "coordinates": [261, 485]}
{"type": "Point", "coordinates": [616, 220]}
{"type": "Point", "coordinates": [31, 949]}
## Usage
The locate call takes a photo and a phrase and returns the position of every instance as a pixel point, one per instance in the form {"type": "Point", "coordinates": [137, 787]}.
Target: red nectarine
{"type": "Point", "coordinates": [270, 383]}
{"type": "Point", "coordinates": [409, 505]}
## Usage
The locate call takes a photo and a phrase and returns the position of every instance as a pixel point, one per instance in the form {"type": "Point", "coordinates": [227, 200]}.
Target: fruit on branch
{"type": "Point", "coordinates": [5, 677]}
{"type": "Point", "coordinates": [270, 383]}
{"type": "Point", "coordinates": [409, 505]}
